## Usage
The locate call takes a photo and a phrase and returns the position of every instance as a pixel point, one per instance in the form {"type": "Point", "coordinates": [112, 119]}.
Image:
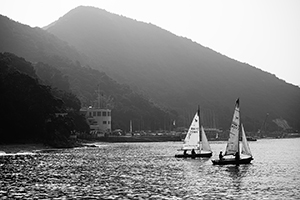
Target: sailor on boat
{"type": "Point", "coordinates": [220, 156]}
{"type": "Point", "coordinates": [237, 156]}
{"type": "Point", "coordinates": [184, 152]}
{"type": "Point", "coordinates": [193, 152]}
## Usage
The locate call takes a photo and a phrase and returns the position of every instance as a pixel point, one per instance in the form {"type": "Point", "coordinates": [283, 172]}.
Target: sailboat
{"type": "Point", "coordinates": [233, 155]}
{"type": "Point", "coordinates": [192, 141]}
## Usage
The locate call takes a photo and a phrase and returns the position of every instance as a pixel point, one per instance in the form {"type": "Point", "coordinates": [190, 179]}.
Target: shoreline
{"type": "Point", "coordinates": [38, 147]}
{"type": "Point", "coordinates": [17, 148]}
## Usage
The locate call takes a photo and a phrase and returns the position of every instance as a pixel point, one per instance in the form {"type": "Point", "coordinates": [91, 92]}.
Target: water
{"type": "Point", "coordinates": [150, 171]}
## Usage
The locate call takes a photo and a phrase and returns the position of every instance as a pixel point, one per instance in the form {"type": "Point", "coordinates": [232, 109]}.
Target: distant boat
{"type": "Point", "coordinates": [193, 145]}
{"type": "Point", "coordinates": [251, 139]}
{"type": "Point", "coordinates": [232, 153]}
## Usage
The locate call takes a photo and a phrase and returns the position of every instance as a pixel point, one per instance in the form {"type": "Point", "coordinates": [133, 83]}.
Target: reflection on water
{"type": "Point", "coordinates": [150, 171]}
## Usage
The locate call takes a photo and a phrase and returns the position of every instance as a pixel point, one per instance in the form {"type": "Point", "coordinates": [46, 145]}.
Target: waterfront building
{"type": "Point", "coordinates": [98, 116]}
{"type": "Point", "coordinates": [99, 119]}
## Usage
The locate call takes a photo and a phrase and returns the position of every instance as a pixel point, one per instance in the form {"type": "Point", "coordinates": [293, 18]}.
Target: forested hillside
{"type": "Point", "coordinates": [176, 72]}
{"type": "Point", "coordinates": [126, 104]}
{"type": "Point", "coordinates": [29, 109]}
{"type": "Point", "coordinates": [61, 66]}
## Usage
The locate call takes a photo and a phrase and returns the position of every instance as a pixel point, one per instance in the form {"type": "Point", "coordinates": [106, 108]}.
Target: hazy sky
{"type": "Point", "coordinates": [262, 33]}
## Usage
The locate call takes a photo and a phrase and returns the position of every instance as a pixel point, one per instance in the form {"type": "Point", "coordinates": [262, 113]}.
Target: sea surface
{"type": "Point", "coordinates": [150, 171]}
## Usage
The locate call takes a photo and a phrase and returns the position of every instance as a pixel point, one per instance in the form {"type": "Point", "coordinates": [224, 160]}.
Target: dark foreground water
{"type": "Point", "coordinates": [150, 171]}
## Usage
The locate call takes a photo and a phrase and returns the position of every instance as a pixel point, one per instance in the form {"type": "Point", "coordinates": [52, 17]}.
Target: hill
{"type": "Point", "coordinates": [29, 109]}
{"type": "Point", "coordinates": [61, 66]}
{"type": "Point", "coordinates": [176, 72]}
{"type": "Point", "coordinates": [33, 43]}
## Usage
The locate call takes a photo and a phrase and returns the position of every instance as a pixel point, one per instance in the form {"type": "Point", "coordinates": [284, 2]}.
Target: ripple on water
{"type": "Point", "coordinates": [147, 171]}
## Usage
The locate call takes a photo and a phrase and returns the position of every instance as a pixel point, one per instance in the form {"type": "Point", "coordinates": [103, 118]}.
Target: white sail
{"type": "Point", "coordinates": [205, 144]}
{"type": "Point", "coordinates": [192, 138]}
{"type": "Point", "coordinates": [245, 145]}
{"type": "Point", "coordinates": [233, 141]}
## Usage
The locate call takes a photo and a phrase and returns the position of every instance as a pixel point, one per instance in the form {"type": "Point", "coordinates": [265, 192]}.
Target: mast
{"type": "Point", "coordinates": [199, 130]}
{"type": "Point", "coordinates": [98, 96]}
{"type": "Point", "coordinates": [130, 126]}
{"type": "Point", "coordinates": [214, 119]}
{"type": "Point", "coordinates": [238, 105]}
{"type": "Point", "coordinates": [263, 127]}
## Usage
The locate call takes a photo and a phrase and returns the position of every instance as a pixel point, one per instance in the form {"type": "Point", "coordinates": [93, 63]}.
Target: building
{"type": "Point", "coordinates": [99, 119]}
{"type": "Point", "coordinates": [98, 116]}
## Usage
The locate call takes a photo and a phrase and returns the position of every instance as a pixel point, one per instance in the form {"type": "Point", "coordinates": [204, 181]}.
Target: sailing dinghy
{"type": "Point", "coordinates": [232, 153]}
{"type": "Point", "coordinates": [191, 145]}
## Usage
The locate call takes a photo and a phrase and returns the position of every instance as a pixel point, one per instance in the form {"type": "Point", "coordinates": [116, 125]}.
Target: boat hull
{"type": "Point", "coordinates": [251, 139]}
{"type": "Point", "coordinates": [197, 155]}
{"type": "Point", "coordinates": [232, 161]}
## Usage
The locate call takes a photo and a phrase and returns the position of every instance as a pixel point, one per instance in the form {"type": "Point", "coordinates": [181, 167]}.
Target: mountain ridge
{"type": "Point", "coordinates": [175, 71]}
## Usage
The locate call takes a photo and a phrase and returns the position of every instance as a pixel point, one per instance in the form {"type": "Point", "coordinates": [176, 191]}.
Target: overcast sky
{"type": "Point", "coordinates": [262, 33]}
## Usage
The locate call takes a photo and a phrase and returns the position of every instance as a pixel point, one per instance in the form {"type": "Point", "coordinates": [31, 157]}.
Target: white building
{"type": "Point", "coordinates": [98, 115]}
{"type": "Point", "coordinates": [99, 119]}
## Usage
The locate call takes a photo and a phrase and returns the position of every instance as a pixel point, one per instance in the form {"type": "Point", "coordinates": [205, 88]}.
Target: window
{"type": "Point", "coordinates": [108, 113]}
{"type": "Point", "coordinates": [94, 113]}
{"type": "Point", "coordinates": [104, 122]}
{"type": "Point", "coordinates": [104, 113]}
{"type": "Point", "coordinates": [108, 122]}
{"type": "Point", "coordinates": [99, 113]}
{"type": "Point", "coordinates": [90, 114]}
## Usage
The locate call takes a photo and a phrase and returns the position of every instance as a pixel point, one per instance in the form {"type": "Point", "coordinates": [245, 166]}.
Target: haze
{"type": "Point", "coordinates": [264, 34]}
